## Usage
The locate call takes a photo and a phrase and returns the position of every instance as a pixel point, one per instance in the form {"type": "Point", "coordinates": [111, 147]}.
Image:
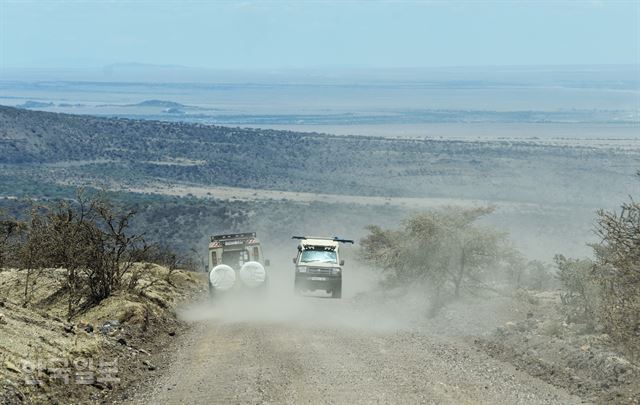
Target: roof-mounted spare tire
{"type": "Point", "coordinates": [253, 274]}
{"type": "Point", "coordinates": [222, 277]}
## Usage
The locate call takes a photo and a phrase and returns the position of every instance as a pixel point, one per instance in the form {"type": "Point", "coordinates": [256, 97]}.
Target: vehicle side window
{"type": "Point", "coordinates": [214, 258]}
{"type": "Point", "coordinates": [256, 254]}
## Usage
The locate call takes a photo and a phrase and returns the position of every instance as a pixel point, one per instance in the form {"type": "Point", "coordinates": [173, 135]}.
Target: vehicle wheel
{"type": "Point", "coordinates": [336, 292]}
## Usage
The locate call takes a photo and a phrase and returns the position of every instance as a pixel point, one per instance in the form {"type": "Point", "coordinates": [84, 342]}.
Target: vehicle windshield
{"type": "Point", "coordinates": [324, 256]}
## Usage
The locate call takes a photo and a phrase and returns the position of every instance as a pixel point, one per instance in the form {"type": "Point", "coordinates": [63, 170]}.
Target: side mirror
{"type": "Point", "coordinates": [267, 262]}
{"type": "Point", "coordinates": [294, 260]}
{"type": "Point", "coordinates": [341, 262]}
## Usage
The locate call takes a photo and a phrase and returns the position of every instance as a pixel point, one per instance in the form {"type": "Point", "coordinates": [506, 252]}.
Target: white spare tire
{"type": "Point", "coordinates": [222, 277]}
{"type": "Point", "coordinates": [253, 274]}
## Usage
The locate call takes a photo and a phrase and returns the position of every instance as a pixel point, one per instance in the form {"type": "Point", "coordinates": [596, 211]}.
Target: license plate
{"type": "Point", "coordinates": [318, 279]}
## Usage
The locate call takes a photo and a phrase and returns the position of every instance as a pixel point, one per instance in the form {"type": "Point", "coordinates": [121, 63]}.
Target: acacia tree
{"type": "Point", "coordinates": [439, 248]}
{"type": "Point", "coordinates": [111, 250]}
{"type": "Point", "coordinates": [385, 248]}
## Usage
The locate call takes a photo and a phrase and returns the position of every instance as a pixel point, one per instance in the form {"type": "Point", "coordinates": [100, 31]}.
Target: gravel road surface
{"type": "Point", "coordinates": [301, 361]}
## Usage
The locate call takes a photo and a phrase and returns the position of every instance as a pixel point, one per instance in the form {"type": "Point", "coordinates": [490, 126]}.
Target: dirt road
{"type": "Point", "coordinates": [293, 359]}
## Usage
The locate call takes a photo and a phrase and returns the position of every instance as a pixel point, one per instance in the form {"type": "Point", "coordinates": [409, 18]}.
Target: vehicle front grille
{"type": "Point", "coordinates": [319, 271]}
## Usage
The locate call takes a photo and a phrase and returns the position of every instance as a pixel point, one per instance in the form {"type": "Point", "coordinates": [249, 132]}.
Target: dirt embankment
{"type": "Point", "coordinates": [569, 355]}
{"type": "Point", "coordinates": [45, 357]}
{"type": "Point", "coordinates": [529, 331]}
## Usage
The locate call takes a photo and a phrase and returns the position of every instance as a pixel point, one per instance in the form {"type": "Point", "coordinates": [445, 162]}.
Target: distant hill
{"type": "Point", "coordinates": [35, 104]}
{"type": "Point", "coordinates": [136, 152]}
{"type": "Point", "coordinates": [159, 103]}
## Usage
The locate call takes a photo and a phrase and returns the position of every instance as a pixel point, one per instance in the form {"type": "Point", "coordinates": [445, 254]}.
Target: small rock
{"type": "Point", "coordinates": [109, 326]}
{"type": "Point", "coordinates": [68, 328]}
{"type": "Point", "coordinates": [122, 341]}
{"type": "Point", "coordinates": [100, 385]}
{"type": "Point", "coordinates": [144, 352]}
{"type": "Point", "coordinates": [2, 320]}
{"type": "Point", "coordinates": [149, 365]}
{"type": "Point", "coordinates": [11, 367]}
{"type": "Point", "coordinates": [88, 328]}
{"type": "Point", "coordinates": [172, 333]}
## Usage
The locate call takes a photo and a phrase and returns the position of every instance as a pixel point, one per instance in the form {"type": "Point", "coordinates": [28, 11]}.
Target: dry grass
{"type": "Point", "coordinates": [37, 330]}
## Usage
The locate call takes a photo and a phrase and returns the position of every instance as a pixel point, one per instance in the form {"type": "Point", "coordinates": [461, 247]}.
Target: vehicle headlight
{"type": "Point", "coordinates": [301, 269]}
{"type": "Point", "coordinates": [336, 271]}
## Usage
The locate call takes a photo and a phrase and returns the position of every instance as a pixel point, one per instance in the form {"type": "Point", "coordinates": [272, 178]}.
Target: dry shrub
{"type": "Point", "coordinates": [581, 292]}
{"type": "Point", "coordinates": [89, 239]}
{"type": "Point", "coordinates": [618, 272]}
{"type": "Point", "coordinates": [11, 234]}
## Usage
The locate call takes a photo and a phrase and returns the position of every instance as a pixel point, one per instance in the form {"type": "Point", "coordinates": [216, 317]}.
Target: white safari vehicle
{"type": "Point", "coordinates": [318, 265]}
{"type": "Point", "coordinates": [236, 261]}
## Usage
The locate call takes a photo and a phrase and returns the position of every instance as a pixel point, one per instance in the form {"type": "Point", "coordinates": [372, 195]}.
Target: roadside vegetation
{"type": "Point", "coordinates": [90, 239]}
{"type": "Point", "coordinates": [450, 252]}
{"type": "Point", "coordinates": [618, 273]}
{"type": "Point", "coordinates": [576, 322]}
{"type": "Point", "coordinates": [604, 293]}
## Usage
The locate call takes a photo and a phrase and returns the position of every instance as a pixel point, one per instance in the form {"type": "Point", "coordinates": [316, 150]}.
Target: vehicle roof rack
{"type": "Point", "coordinates": [335, 238]}
{"type": "Point", "coordinates": [246, 235]}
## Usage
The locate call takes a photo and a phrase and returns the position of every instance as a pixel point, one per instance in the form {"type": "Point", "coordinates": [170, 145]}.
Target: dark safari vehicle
{"type": "Point", "coordinates": [233, 257]}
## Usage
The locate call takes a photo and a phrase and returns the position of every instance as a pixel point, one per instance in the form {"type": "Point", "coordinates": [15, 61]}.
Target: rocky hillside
{"type": "Point", "coordinates": [46, 358]}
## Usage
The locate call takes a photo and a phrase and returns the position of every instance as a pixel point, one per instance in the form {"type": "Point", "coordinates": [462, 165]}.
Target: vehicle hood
{"type": "Point", "coordinates": [319, 264]}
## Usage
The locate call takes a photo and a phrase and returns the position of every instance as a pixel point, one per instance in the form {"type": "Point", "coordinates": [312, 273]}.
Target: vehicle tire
{"type": "Point", "coordinates": [222, 278]}
{"type": "Point", "coordinates": [253, 274]}
{"type": "Point", "coordinates": [337, 292]}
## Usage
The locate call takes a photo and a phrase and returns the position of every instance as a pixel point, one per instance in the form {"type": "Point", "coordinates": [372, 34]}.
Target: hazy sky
{"type": "Point", "coordinates": [275, 34]}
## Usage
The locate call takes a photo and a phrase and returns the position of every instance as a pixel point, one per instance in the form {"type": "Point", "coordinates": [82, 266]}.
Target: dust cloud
{"type": "Point", "coordinates": [365, 305]}
{"type": "Point", "coordinates": [279, 304]}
